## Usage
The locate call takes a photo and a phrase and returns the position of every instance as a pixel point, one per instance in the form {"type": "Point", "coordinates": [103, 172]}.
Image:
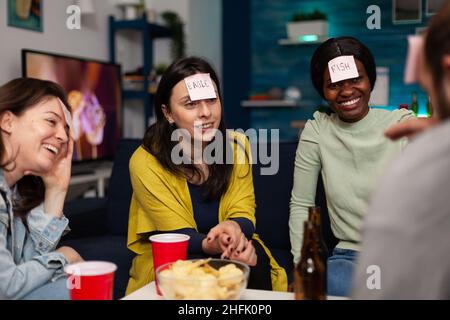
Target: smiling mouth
{"type": "Point", "coordinates": [349, 104]}
{"type": "Point", "coordinates": [51, 148]}
{"type": "Point", "coordinates": [205, 126]}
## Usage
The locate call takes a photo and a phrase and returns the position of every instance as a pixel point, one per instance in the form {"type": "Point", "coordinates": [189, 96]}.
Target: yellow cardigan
{"type": "Point", "coordinates": [161, 202]}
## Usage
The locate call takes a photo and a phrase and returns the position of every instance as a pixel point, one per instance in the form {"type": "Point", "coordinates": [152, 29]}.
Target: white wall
{"type": "Point", "coordinates": [205, 31]}
{"type": "Point", "coordinates": [203, 28]}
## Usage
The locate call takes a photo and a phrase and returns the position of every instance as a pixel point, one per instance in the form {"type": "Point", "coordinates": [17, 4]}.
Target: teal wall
{"type": "Point", "coordinates": [273, 65]}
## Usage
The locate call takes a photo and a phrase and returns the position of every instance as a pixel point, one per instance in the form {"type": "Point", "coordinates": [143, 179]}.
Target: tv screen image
{"type": "Point", "coordinates": [94, 93]}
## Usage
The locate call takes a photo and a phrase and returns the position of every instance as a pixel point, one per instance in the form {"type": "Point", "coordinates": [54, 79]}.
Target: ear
{"type": "Point", "coordinates": [167, 114]}
{"type": "Point", "coordinates": [6, 121]}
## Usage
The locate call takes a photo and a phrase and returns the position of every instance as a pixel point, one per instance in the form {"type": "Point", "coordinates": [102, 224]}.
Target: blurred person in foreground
{"type": "Point", "coordinates": [406, 233]}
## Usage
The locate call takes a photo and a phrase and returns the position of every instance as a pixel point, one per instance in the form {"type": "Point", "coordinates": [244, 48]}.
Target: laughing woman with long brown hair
{"type": "Point", "coordinates": [35, 157]}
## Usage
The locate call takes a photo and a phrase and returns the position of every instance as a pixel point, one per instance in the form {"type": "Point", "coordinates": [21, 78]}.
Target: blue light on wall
{"type": "Point", "coordinates": [308, 38]}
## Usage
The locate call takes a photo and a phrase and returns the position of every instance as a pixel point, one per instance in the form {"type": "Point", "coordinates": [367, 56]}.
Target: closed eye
{"type": "Point", "coordinates": [191, 104]}
{"type": "Point", "coordinates": [51, 121]}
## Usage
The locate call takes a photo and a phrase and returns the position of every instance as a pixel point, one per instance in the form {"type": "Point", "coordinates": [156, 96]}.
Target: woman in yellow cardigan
{"type": "Point", "coordinates": [184, 182]}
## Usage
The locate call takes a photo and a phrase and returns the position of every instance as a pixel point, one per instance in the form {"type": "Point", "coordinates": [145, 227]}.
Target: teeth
{"type": "Point", "coordinates": [348, 103]}
{"type": "Point", "coordinates": [204, 126]}
{"type": "Point", "coordinates": [51, 148]}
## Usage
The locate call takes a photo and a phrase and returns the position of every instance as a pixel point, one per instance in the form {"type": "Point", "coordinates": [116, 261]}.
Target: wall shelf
{"type": "Point", "coordinates": [269, 104]}
{"type": "Point", "coordinates": [150, 31]}
{"type": "Point", "coordinates": [155, 31]}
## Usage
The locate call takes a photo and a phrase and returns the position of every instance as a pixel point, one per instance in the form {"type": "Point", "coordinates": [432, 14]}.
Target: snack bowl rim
{"type": "Point", "coordinates": [244, 267]}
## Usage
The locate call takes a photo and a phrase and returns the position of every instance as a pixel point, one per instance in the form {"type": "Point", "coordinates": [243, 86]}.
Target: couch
{"type": "Point", "coordinates": [273, 193]}
{"type": "Point", "coordinates": [99, 226]}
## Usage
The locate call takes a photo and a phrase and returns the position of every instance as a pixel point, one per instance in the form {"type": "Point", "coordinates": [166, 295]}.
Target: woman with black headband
{"type": "Point", "coordinates": [347, 146]}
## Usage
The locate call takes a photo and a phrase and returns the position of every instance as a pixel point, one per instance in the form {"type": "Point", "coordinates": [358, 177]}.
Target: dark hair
{"type": "Point", "coordinates": [336, 47]}
{"type": "Point", "coordinates": [17, 96]}
{"type": "Point", "coordinates": [437, 44]}
{"type": "Point", "coordinates": [157, 139]}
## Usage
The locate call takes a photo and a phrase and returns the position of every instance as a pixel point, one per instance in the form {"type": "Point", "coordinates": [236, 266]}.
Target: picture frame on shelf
{"type": "Point", "coordinates": [26, 14]}
{"type": "Point", "coordinates": [432, 6]}
{"type": "Point", "coordinates": [406, 11]}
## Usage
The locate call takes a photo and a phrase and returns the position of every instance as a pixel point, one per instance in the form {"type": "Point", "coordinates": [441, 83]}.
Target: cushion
{"type": "Point", "coordinates": [119, 189]}
{"type": "Point", "coordinates": [87, 217]}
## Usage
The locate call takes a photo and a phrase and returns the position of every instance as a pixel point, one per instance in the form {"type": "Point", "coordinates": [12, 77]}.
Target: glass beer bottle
{"type": "Point", "coordinates": [309, 274]}
{"type": "Point", "coordinates": [315, 217]}
{"type": "Point", "coordinates": [429, 108]}
{"type": "Point", "coordinates": [414, 104]}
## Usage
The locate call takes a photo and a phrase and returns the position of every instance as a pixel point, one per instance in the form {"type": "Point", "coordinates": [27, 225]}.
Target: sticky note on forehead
{"type": "Point", "coordinates": [342, 68]}
{"type": "Point", "coordinates": [67, 115]}
{"type": "Point", "coordinates": [200, 86]}
{"type": "Point", "coordinates": [413, 60]}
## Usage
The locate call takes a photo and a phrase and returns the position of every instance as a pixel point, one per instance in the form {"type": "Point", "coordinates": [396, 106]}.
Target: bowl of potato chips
{"type": "Point", "coordinates": [203, 279]}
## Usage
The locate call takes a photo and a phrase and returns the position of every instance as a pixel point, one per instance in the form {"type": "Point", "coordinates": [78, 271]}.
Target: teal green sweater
{"type": "Point", "coordinates": [351, 158]}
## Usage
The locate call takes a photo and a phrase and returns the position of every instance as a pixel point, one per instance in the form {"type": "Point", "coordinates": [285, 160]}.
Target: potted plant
{"type": "Point", "coordinates": [305, 24]}
{"type": "Point", "coordinates": [160, 68]}
{"type": "Point", "coordinates": [176, 27]}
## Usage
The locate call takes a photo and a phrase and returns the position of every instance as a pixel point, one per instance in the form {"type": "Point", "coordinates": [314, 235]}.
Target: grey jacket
{"type": "Point", "coordinates": [406, 238]}
{"type": "Point", "coordinates": [27, 257]}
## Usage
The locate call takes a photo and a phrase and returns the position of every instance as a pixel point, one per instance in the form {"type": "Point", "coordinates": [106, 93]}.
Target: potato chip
{"type": "Point", "coordinates": [198, 280]}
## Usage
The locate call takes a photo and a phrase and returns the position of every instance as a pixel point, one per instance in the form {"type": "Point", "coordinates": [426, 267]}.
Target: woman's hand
{"type": "Point", "coordinates": [216, 246]}
{"type": "Point", "coordinates": [70, 254]}
{"type": "Point", "coordinates": [211, 246]}
{"type": "Point", "coordinates": [228, 235]}
{"type": "Point", "coordinates": [223, 239]}
{"type": "Point", "coordinates": [409, 128]}
{"type": "Point", "coordinates": [56, 182]}
{"type": "Point", "coordinates": [229, 249]}
{"type": "Point", "coordinates": [247, 255]}
{"type": "Point", "coordinates": [58, 178]}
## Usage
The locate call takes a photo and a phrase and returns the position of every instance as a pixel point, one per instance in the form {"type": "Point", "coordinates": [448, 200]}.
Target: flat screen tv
{"type": "Point", "coordinates": [94, 93]}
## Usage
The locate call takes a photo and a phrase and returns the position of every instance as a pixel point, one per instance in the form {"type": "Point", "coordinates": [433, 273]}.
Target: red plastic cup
{"type": "Point", "coordinates": [93, 280]}
{"type": "Point", "coordinates": [168, 247]}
